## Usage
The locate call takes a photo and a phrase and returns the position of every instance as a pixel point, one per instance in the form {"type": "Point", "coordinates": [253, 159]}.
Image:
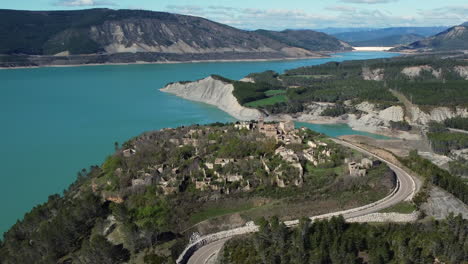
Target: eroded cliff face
{"type": "Point", "coordinates": [419, 117]}
{"type": "Point", "coordinates": [214, 92]}
{"type": "Point", "coordinates": [181, 35]}
{"type": "Point", "coordinates": [463, 71]}
{"type": "Point", "coordinates": [412, 72]}
{"type": "Point", "coordinates": [415, 71]}
{"type": "Point", "coordinates": [412, 114]}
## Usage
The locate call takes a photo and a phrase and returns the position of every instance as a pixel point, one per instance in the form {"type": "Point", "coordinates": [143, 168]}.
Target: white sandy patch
{"type": "Point", "coordinates": [372, 48]}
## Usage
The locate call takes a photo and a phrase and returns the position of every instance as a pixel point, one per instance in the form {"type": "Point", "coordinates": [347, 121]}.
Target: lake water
{"type": "Point", "coordinates": [55, 121]}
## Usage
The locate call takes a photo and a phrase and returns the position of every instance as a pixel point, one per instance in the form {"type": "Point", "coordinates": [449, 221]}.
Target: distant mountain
{"type": "Point", "coordinates": [389, 41]}
{"type": "Point", "coordinates": [154, 35]}
{"type": "Point", "coordinates": [307, 39]}
{"type": "Point", "coordinates": [454, 38]}
{"type": "Point", "coordinates": [465, 24]}
{"type": "Point", "coordinates": [335, 30]}
{"type": "Point", "coordinates": [387, 32]}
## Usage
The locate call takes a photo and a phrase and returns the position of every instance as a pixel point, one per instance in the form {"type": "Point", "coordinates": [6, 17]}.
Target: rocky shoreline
{"type": "Point", "coordinates": [372, 119]}
{"type": "Point", "coordinates": [219, 93]}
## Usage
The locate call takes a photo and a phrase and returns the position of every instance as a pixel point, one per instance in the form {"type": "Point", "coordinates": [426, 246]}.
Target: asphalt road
{"type": "Point", "coordinates": [406, 190]}
{"type": "Point", "coordinates": [204, 253]}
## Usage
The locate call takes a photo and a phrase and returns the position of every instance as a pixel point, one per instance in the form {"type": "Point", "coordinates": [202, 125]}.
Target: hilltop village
{"type": "Point", "coordinates": [234, 158]}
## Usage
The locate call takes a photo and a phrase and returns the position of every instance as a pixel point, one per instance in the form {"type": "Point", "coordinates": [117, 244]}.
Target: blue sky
{"type": "Point", "coordinates": [273, 14]}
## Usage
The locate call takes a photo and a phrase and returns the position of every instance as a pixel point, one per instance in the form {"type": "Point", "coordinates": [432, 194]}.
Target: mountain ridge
{"type": "Point", "coordinates": [107, 31]}
{"type": "Point", "coordinates": [370, 34]}
{"type": "Point", "coordinates": [393, 40]}
{"type": "Point", "coordinates": [454, 38]}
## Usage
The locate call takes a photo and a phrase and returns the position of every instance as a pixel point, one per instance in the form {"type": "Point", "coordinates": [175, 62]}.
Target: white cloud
{"type": "Point", "coordinates": [341, 8]}
{"type": "Point", "coordinates": [372, 2]}
{"type": "Point", "coordinates": [448, 13]}
{"type": "Point", "coordinates": [342, 16]}
{"type": "Point", "coordinates": [76, 3]}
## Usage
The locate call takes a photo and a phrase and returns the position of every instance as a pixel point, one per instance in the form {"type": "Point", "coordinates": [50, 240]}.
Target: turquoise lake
{"type": "Point", "coordinates": [56, 121]}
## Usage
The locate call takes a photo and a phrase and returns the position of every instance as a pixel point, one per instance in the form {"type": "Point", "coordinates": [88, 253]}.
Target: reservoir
{"type": "Point", "coordinates": [56, 121]}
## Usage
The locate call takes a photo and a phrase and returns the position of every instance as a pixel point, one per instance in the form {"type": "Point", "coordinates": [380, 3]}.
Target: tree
{"type": "Point", "coordinates": [99, 250]}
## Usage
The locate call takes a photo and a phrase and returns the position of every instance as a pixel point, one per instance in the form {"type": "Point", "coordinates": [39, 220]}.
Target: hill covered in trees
{"type": "Point", "coordinates": [144, 202]}
{"type": "Point", "coordinates": [335, 241]}
{"type": "Point", "coordinates": [427, 80]}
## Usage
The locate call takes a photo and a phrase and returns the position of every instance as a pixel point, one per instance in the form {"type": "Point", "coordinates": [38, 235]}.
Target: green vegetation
{"type": "Point", "coordinates": [335, 110]}
{"type": "Point", "coordinates": [340, 91]}
{"type": "Point", "coordinates": [400, 125]}
{"type": "Point", "coordinates": [246, 92]}
{"type": "Point", "coordinates": [434, 93]}
{"type": "Point", "coordinates": [457, 123]}
{"type": "Point", "coordinates": [274, 92]}
{"type": "Point", "coordinates": [337, 82]}
{"type": "Point", "coordinates": [444, 142]}
{"type": "Point", "coordinates": [143, 199]}
{"type": "Point", "coordinates": [335, 241]}
{"type": "Point", "coordinates": [215, 212]}
{"type": "Point", "coordinates": [268, 77]}
{"type": "Point", "coordinates": [267, 101]}
{"type": "Point", "coordinates": [459, 167]}
{"type": "Point", "coordinates": [402, 208]}
{"type": "Point", "coordinates": [437, 176]}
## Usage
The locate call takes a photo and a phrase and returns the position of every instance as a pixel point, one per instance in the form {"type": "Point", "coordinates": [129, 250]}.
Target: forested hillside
{"type": "Point", "coordinates": [428, 81]}
{"type": "Point", "coordinates": [335, 241]}
{"type": "Point", "coordinates": [145, 201]}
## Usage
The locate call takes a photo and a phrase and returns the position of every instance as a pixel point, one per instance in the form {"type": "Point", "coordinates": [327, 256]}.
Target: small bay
{"type": "Point", "coordinates": [57, 120]}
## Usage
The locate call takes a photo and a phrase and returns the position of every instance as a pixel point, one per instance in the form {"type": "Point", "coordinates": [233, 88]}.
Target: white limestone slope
{"type": "Point", "coordinates": [420, 117]}
{"type": "Point", "coordinates": [214, 92]}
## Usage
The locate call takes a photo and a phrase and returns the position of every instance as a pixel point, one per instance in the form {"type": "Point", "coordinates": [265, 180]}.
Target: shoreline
{"type": "Point", "coordinates": [238, 110]}
{"type": "Point", "coordinates": [387, 132]}
{"type": "Point", "coordinates": [326, 55]}
{"type": "Point", "coordinates": [165, 62]}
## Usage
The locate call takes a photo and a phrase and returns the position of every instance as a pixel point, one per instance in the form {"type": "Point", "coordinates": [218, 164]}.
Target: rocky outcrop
{"type": "Point", "coordinates": [462, 71]}
{"type": "Point", "coordinates": [372, 75]}
{"type": "Point", "coordinates": [307, 39]}
{"type": "Point", "coordinates": [374, 120]}
{"type": "Point", "coordinates": [420, 117]}
{"type": "Point", "coordinates": [415, 71]}
{"type": "Point", "coordinates": [441, 203]}
{"type": "Point", "coordinates": [214, 92]}
{"type": "Point", "coordinates": [181, 34]}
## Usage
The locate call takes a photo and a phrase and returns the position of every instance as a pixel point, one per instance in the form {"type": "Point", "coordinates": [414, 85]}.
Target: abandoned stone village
{"type": "Point", "coordinates": [219, 173]}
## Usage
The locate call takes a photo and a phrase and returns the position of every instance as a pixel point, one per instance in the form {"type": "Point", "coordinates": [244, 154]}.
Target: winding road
{"type": "Point", "coordinates": [405, 190]}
